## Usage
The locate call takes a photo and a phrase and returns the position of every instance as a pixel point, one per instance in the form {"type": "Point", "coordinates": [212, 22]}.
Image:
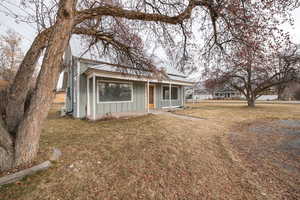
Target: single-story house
{"type": "Point", "coordinates": [96, 88]}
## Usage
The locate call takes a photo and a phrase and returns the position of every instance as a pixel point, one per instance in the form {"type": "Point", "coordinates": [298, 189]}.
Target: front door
{"type": "Point", "coordinates": [151, 96]}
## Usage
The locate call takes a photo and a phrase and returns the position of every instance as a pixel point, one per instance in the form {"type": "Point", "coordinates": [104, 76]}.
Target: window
{"type": "Point", "coordinates": [114, 92]}
{"type": "Point", "coordinates": [174, 92]}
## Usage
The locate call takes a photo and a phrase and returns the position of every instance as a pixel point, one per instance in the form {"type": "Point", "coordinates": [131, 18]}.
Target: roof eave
{"type": "Point", "coordinates": [124, 76]}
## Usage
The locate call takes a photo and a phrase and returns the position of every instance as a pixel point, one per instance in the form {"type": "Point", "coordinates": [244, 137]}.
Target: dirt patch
{"type": "Point", "coordinates": [290, 123]}
{"type": "Point", "coordinates": [271, 150]}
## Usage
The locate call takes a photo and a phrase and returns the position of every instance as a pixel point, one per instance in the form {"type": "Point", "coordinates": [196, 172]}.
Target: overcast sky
{"type": "Point", "coordinates": [28, 32]}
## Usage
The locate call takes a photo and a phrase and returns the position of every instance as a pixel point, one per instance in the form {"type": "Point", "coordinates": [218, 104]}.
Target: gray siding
{"type": "Point", "coordinates": [83, 96]}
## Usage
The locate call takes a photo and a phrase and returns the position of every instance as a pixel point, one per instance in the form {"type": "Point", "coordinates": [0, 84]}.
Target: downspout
{"type": "Point", "coordinates": [72, 88]}
{"type": "Point", "coordinates": [78, 90]}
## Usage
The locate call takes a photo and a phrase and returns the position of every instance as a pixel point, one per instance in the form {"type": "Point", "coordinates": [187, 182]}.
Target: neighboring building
{"type": "Point", "coordinates": [60, 97]}
{"type": "Point", "coordinates": [96, 88]}
{"type": "Point", "coordinates": [197, 93]}
{"type": "Point", "coordinates": [226, 93]}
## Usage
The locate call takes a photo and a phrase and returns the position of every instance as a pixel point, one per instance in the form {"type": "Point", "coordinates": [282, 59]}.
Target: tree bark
{"type": "Point", "coordinates": [22, 82]}
{"type": "Point", "coordinates": [28, 134]}
{"type": "Point", "coordinates": [251, 102]}
{"type": "Point", "coordinates": [280, 90]}
{"type": "Point", "coordinates": [6, 148]}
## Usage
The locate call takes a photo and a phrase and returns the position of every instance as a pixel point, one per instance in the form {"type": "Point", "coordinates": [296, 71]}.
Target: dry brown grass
{"type": "Point", "coordinates": [149, 157]}
{"type": "Point", "coordinates": [234, 113]}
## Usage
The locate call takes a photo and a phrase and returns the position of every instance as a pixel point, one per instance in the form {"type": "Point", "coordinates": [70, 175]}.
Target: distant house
{"type": "Point", "coordinates": [96, 88]}
{"type": "Point", "coordinates": [226, 93]}
{"type": "Point", "coordinates": [197, 93]}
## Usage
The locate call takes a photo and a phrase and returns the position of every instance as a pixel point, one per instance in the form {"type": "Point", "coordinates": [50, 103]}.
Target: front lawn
{"type": "Point", "coordinates": [154, 157]}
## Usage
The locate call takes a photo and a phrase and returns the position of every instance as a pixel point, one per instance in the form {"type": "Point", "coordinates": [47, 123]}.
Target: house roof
{"type": "Point", "coordinates": [76, 45]}
{"type": "Point", "coordinates": [107, 67]}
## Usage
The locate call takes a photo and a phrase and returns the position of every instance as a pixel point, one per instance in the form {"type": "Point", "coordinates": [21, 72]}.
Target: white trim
{"type": "Point", "coordinates": [114, 81]}
{"type": "Point", "coordinates": [88, 96]}
{"type": "Point", "coordinates": [120, 82]}
{"type": "Point", "coordinates": [170, 94]}
{"type": "Point", "coordinates": [94, 96]}
{"type": "Point", "coordinates": [78, 89]}
{"type": "Point", "coordinates": [170, 107]}
{"type": "Point", "coordinates": [162, 92]}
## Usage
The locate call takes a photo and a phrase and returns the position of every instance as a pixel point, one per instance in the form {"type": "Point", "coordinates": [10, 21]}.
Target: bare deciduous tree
{"type": "Point", "coordinates": [11, 55]}
{"type": "Point", "coordinates": [288, 64]}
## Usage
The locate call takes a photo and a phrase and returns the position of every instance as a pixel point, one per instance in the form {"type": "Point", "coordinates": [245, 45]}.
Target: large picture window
{"type": "Point", "coordinates": [114, 92]}
{"type": "Point", "coordinates": [166, 93]}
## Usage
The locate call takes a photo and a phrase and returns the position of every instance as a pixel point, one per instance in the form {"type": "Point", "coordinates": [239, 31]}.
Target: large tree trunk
{"type": "Point", "coordinates": [22, 82]}
{"type": "Point", "coordinates": [251, 102]}
{"type": "Point", "coordinates": [22, 148]}
{"type": "Point", "coordinates": [280, 91]}
{"type": "Point", "coordinates": [28, 134]}
{"type": "Point", "coordinates": [6, 148]}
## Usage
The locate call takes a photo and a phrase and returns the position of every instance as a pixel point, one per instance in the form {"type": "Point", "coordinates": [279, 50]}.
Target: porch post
{"type": "Point", "coordinates": [94, 96]}
{"type": "Point", "coordinates": [148, 96]}
{"type": "Point", "coordinates": [170, 93]}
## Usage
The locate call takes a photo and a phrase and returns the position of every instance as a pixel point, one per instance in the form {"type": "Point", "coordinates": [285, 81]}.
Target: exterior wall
{"type": "Point", "coordinates": [161, 103]}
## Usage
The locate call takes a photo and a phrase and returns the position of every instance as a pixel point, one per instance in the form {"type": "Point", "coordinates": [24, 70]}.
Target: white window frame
{"type": "Point", "coordinates": [162, 92]}
{"type": "Point", "coordinates": [120, 82]}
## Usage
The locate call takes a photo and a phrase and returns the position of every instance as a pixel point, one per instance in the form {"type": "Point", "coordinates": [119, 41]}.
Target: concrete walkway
{"type": "Point", "coordinates": [162, 112]}
{"type": "Point", "coordinates": [243, 101]}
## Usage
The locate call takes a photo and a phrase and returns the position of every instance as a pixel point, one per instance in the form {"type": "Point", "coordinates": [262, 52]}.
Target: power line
{"type": "Point", "coordinates": [7, 11]}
